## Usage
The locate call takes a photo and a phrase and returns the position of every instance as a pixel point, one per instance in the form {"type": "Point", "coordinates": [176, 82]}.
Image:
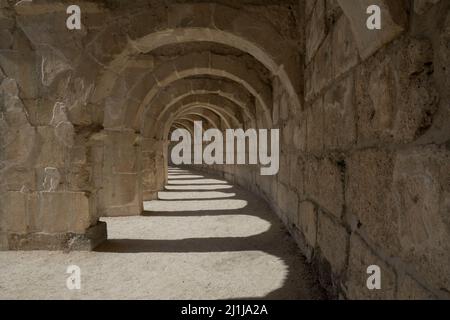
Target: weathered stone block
{"type": "Point", "coordinates": [333, 12]}
{"type": "Point", "coordinates": [237, 22]}
{"type": "Point", "coordinates": [421, 203]}
{"type": "Point", "coordinates": [296, 172]}
{"type": "Point", "coordinates": [401, 203]}
{"type": "Point", "coordinates": [307, 222]}
{"type": "Point", "coordinates": [422, 6]}
{"type": "Point", "coordinates": [332, 239]}
{"type": "Point", "coordinates": [315, 30]}
{"type": "Point", "coordinates": [315, 124]}
{"type": "Point", "coordinates": [345, 53]}
{"type": "Point", "coordinates": [288, 203]}
{"type": "Point", "coordinates": [63, 212]}
{"type": "Point", "coordinates": [309, 6]}
{"type": "Point", "coordinates": [120, 173]}
{"type": "Point", "coordinates": [188, 15]}
{"type": "Point", "coordinates": [14, 212]}
{"type": "Point", "coordinates": [68, 241]}
{"type": "Point", "coordinates": [267, 185]}
{"type": "Point", "coordinates": [361, 257]}
{"type": "Point", "coordinates": [7, 39]}
{"type": "Point", "coordinates": [324, 183]}
{"type": "Point", "coordinates": [312, 185]}
{"type": "Point", "coordinates": [395, 96]}
{"type": "Point", "coordinates": [114, 112]}
{"type": "Point", "coordinates": [79, 178]}
{"type": "Point", "coordinates": [284, 171]}
{"type": "Point", "coordinates": [122, 189]}
{"type": "Point", "coordinates": [285, 107]}
{"type": "Point", "coordinates": [394, 21]}
{"type": "Point", "coordinates": [40, 111]}
{"type": "Point", "coordinates": [286, 136]}
{"type": "Point", "coordinates": [300, 132]}
{"type": "Point", "coordinates": [319, 73]}
{"type": "Point", "coordinates": [410, 289]}
{"type": "Point", "coordinates": [53, 65]}
{"type": "Point", "coordinates": [23, 67]}
{"type": "Point", "coordinates": [368, 192]}
{"type": "Point", "coordinates": [3, 241]}
{"type": "Point", "coordinates": [18, 143]}
{"type": "Point", "coordinates": [339, 116]}
{"type": "Point", "coordinates": [123, 151]}
{"type": "Point", "coordinates": [17, 177]}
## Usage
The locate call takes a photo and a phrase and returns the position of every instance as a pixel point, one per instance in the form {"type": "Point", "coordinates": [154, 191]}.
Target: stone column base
{"type": "Point", "coordinates": [150, 195]}
{"type": "Point", "coordinates": [94, 236]}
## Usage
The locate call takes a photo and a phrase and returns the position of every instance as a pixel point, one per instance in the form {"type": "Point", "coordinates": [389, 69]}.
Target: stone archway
{"type": "Point", "coordinates": [84, 124]}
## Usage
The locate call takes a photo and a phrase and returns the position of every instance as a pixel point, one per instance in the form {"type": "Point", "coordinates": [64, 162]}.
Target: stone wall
{"type": "Point", "coordinates": [364, 163]}
{"type": "Point", "coordinates": [119, 178]}
{"type": "Point", "coordinates": [377, 154]}
{"type": "Point", "coordinates": [84, 112]}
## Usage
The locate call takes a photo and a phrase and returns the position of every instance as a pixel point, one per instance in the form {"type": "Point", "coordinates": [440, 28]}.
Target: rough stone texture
{"type": "Point", "coordinates": [420, 204]}
{"type": "Point", "coordinates": [86, 116]}
{"type": "Point", "coordinates": [332, 240]}
{"type": "Point", "coordinates": [320, 71]}
{"type": "Point", "coordinates": [316, 29]}
{"type": "Point", "coordinates": [191, 257]}
{"type": "Point", "coordinates": [339, 116]}
{"type": "Point", "coordinates": [323, 183]}
{"type": "Point", "coordinates": [63, 212]}
{"type": "Point", "coordinates": [361, 257]}
{"type": "Point", "coordinates": [89, 240]}
{"type": "Point", "coordinates": [307, 221]}
{"type": "Point", "coordinates": [345, 53]}
{"type": "Point", "coordinates": [288, 202]}
{"type": "Point", "coordinates": [314, 123]}
{"type": "Point", "coordinates": [394, 20]}
{"type": "Point", "coordinates": [121, 175]}
{"type": "Point", "coordinates": [421, 6]}
{"type": "Point", "coordinates": [369, 177]}
{"type": "Point", "coordinates": [14, 216]}
{"type": "Point", "coordinates": [409, 289]}
{"type": "Point", "coordinates": [396, 98]}
{"type": "Point", "coordinates": [369, 117]}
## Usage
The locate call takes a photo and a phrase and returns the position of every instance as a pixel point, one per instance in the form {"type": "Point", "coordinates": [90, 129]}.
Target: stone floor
{"type": "Point", "coordinates": [204, 239]}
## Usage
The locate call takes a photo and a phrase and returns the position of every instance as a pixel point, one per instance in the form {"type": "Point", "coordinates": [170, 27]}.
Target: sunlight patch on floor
{"type": "Point", "coordinates": [194, 205]}
{"type": "Point", "coordinates": [185, 227]}
{"type": "Point", "coordinates": [199, 187]}
{"type": "Point", "coordinates": [186, 195]}
{"type": "Point", "coordinates": [196, 181]}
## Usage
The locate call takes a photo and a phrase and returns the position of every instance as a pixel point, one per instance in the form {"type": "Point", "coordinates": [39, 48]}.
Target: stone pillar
{"type": "Point", "coordinates": [118, 174]}
{"type": "Point", "coordinates": [154, 168]}
{"type": "Point", "coordinates": [45, 193]}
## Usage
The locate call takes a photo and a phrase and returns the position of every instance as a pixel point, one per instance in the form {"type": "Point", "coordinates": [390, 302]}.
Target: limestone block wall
{"type": "Point", "coordinates": [365, 164]}
{"type": "Point", "coordinates": [47, 199]}
{"type": "Point", "coordinates": [71, 101]}
{"type": "Point", "coordinates": [364, 119]}
{"type": "Point", "coordinates": [120, 177]}
{"type": "Point", "coordinates": [377, 157]}
{"type": "Point", "coordinates": [154, 168]}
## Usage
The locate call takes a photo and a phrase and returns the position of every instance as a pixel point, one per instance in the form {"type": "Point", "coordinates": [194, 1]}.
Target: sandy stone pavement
{"type": "Point", "coordinates": [203, 239]}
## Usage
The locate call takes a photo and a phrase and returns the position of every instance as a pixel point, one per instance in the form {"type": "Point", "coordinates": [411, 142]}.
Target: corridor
{"type": "Point", "coordinates": [203, 239]}
{"type": "Point", "coordinates": [90, 112]}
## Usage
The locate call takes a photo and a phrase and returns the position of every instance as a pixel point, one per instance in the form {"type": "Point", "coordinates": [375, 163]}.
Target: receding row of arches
{"type": "Point", "coordinates": [199, 68]}
{"type": "Point", "coordinates": [135, 72]}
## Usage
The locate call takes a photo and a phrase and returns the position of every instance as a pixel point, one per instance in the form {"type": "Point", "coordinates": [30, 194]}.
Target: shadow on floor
{"type": "Point", "coordinates": [299, 283]}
